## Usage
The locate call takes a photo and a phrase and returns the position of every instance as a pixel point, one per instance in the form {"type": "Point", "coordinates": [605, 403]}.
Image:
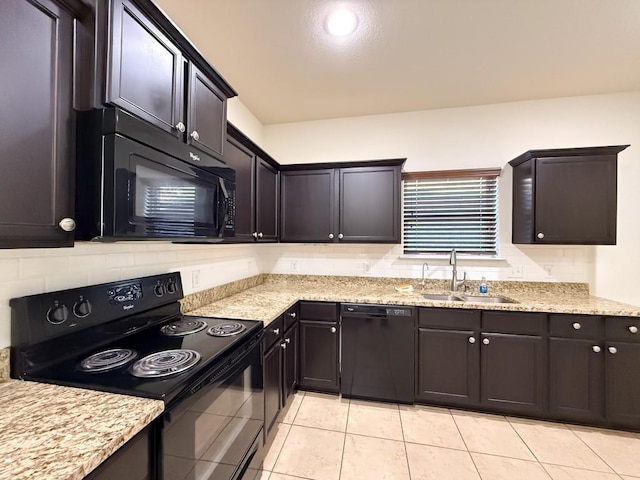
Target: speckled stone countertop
{"type": "Point", "coordinates": [49, 432]}
{"type": "Point", "coordinates": [277, 293]}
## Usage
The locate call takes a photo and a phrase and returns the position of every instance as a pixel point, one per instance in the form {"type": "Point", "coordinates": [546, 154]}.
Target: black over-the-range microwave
{"type": "Point", "coordinates": [135, 182]}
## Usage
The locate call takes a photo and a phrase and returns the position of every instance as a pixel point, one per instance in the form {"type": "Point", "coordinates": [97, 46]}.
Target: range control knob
{"type": "Point", "coordinates": [57, 314]}
{"type": "Point", "coordinates": [158, 290]}
{"type": "Point", "coordinates": [82, 308]}
{"type": "Point", "coordinates": [171, 287]}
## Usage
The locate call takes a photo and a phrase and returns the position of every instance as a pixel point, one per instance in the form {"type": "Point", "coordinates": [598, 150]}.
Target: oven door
{"type": "Point", "coordinates": [215, 431]}
{"type": "Point", "coordinates": [158, 196]}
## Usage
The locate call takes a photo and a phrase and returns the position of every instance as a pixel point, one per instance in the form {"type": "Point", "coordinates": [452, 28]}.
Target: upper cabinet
{"type": "Point", "coordinates": [153, 72]}
{"type": "Point", "coordinates": [38, 46]}
{"type": "Point", "coordinates": [257, 189]}
{"type": "Point", "coordinates": [566, 196]}
{"type": "Point", "coordinates": [358, 202]}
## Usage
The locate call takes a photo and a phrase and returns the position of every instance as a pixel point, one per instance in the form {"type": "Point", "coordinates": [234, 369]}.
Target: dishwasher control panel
{"type": "Point", "coordinates": [351, 309]}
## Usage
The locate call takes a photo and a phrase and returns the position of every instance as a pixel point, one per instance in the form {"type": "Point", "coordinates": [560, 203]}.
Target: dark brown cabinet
{"type": "Point", "coordinates": [622, 357]}
{"type": "Point", "coordinates": [319, 340]}
{"type": "Point", "coordinates": [576, 368]}
{"type": "Point", "coordinates": [354, 203]}
{"type": "Point", "coordinates": [38, 49]}
{"type": "Point", "coordinates": [290, 363]}
{"type": "Point", "coordinates": [565, 196]}
{"type": "Point", "coordinates": [153, 72]}
{"type": "Point", "coordinates": [257, 189]}
{"type": "Point", "coordinates": [272, 382]}
{"type": "Point", "coordinates": [448, 356]}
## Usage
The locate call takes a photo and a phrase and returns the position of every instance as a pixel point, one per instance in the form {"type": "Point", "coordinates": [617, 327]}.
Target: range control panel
{"type": "Point", "coordinates": [41, 317]}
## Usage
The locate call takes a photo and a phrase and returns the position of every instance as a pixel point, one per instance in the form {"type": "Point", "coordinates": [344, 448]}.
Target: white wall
{"type": "Point", "coordinates": [242, 118]}
{"type": "Point", "coordinates": [32, 271]}
{"type": "Point", "coordinates": [490, 136]}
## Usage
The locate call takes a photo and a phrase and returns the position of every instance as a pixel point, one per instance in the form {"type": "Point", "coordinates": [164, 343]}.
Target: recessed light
{"type": "Point", "coordinates": [341, 23]}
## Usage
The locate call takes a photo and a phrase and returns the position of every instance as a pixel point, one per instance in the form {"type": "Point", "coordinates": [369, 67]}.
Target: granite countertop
{"type": "Point", "coordinates": [269, 299]}
{"type": "Point", "coordinates": [62, 433]}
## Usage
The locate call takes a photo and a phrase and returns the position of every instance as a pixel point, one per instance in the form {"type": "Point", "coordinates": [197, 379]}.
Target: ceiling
{"type": "Point", "coordinates": [409, 55]}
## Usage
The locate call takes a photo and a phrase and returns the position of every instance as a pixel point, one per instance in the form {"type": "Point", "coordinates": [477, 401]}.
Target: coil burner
{"type": "Point", "coordinates": [167, 362]}
{"type": "Point", "coordinates": [183, 327]}
{"type": "Point", "coordinates": [107, 360]}
{"type": "Point", "coordinates": [227, 329]}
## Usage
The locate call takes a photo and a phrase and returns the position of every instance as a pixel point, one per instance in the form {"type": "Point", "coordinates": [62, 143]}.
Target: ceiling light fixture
{"type": "Point", "coordinates": [341, 23]}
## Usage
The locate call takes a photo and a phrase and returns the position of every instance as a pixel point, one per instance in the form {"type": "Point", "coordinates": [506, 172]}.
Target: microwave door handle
{"type": "Point", "coordinates": [222, 203]}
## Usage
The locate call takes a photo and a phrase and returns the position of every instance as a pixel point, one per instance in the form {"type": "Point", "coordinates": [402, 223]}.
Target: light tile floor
{"type": "Point", "coordinates": [325, 437]}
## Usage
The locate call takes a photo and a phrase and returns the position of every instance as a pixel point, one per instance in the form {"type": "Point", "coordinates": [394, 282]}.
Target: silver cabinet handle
{"type": "Point", "coordinates": [472, 339]}
{"type": "Point", "coordinates": [331, 236]}
{"type": "Point", "coordinates": [633, 329]}
{"type": "Point", "coordinates": [254, 234]}
{"type": "Point", "coordinates": [333, 330]}
{"type": "Point", "coordinates": [340, 236]}
{"type": "Point", "coordinates": [276, 331]}
{"type": "Point", "coordinates": [67, 224]}
{"type": "Point", "coordinates": [540, 235]}
{"type": "Point", "coordinates": [195, 135]}
{"type": "Point", "coordinates": [180, 127]}
{"type": "Point", "coordinates": [486, 341]}
{"type": "Point", "coordinates": [260, 235]}
{"type": "Point", "coordinates": [576, 326]}
{"type": "Point", "coordinates": [283, 345]}
{"type": "Point", "coordinates": [287, 340]}
{"type": "Point", "coordinates": [596, 349]}
{"type": "Point", "coordinates": [194, 157]}
{"type": "Point", "coordinates": [613, 350]}
{"type": "Point", "coordinates": [292, 314]}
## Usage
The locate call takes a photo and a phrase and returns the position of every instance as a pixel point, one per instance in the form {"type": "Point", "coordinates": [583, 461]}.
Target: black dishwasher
{"type": "Point", "coordinates": [378, 352]}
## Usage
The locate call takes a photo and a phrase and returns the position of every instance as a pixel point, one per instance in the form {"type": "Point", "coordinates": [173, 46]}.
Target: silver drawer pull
{"type": "Point", "coordinates": [540, 235]}
{"type": "Point", "coordinates": [283, 345]}
{"type": "Point", "coordinates": [333, 330]}
{"type": "Point", "coordinates": [633, 329]}
{"type": "Point", "coordinates": [195, 135]}
{"type": "Point", "coordinates": [486, 341]}
{"type": "Point", "coordinates": [276, 331]}
{"type": "Point", "coordinates": [596, 349]}
{"type": "Point", "coordinates": [613, 350]}
{"type": "Point", "coordinates": [472, 339]}
{"type": "Point", "coordinates": [292, 314]}
{"type": "Point", "coordinates": [576, 326]}
{"type": "Point", "coordinates": [180, 127]}
{"type": "Point", "coordinates": [287, 340]}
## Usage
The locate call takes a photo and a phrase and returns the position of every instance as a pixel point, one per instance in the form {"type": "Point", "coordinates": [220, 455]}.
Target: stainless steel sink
{"type": "Point", "coordinates": [498, 299]}
{"type": "Point", "coordinates": [443, 298]}
{"type": "Point", "coordinates": [467, 298]}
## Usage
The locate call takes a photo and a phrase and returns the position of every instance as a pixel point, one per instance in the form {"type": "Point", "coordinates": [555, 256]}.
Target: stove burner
{"type": "Point", "coordinates": [167, 362]}
{"type": "Point", "coordinates": [226, 329]}
{"type": "Point", "coordinates": [183, 327]}
{"type": "Point", "coordinates": [107, 360]}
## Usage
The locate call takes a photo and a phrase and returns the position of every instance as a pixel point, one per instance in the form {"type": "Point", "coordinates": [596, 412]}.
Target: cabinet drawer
{"type": "Point", "coordinates": [290, 317]}
{"type": "Point", "coordinates": [319, 311]}
{"type": "Point", "coordinates": [449, 318]}
{"type": "Point", "coordinates": [622, 328]}
{"type": "Point", "coordinates": [518, 323]}
{"type": "Point", "coordinates": [272, 333]}
{"type": "Point", "coordinates": [574, 326]}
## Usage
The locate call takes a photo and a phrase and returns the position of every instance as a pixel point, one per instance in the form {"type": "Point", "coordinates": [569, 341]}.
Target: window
{"type": "Point", "coordinates": [451, 209]}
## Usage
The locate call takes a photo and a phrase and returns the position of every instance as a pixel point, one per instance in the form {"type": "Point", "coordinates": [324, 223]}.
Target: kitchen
{"type": "Point", "coordinates": [430, 139]}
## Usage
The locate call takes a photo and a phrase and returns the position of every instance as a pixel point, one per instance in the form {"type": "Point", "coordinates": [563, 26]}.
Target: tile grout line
{"type": "Point", "coordinates": [404, 442]}
{"type": "Point", "coordinates": [594, 452]}
{"type": "Point", "coordinates": [286, 436]}
{"type": "Point", "coordinates": [344, 442]}
{"type": "Point", "coordinates": [528, 447]}
{"type": "Point", "coordinates": [465, 443]}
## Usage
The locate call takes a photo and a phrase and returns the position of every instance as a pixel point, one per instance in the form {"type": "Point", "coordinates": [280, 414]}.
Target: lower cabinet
{"type": "Point", "coordinates": [319, 346]}
{"type": "Point", "coordinates": [272, 385]}
{"type": "Point", "coordinates": [290, 363]}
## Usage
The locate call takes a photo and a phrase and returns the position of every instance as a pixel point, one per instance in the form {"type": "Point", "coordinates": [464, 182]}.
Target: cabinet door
{"type": "Point", "coordinates": [241, 160]}
{"type": "Point", "coordinates": [369, 204]}
{"type": "Point", "coordinates": [207, 113]}
{"type": "Point", "coordinates": [576, 379]}
{"type": "Point", "coordinates": [145, 69]}
{"type": "Point", "coordinates": [623, 383]}
{"type": "Point", "coordinates": [36, 138]}
{"type": "Point", "coordinates": [449, 367]}
{"type": "Point", "coordinates": [513, 377]}
{"type": "Point", "coordinates": [290, 368]}
{"type": "Point", "coordinates": [272, 385]}
{"type": "Point", "coordinates": [266, 201]}
{"type": "Point", "coordinates": [575, 200]}
{"type": "Point", "coordinates": [319, 356]}
{"type": "Point", "coordinates": [308, 206]}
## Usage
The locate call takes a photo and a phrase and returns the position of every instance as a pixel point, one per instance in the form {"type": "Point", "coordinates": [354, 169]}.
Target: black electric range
{"type": "Point", "coordinates": [130, 337]}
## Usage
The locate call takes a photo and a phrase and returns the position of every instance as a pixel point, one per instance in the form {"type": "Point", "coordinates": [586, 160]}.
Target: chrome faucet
{"type": "Point", "coordinates": [455, 283]}
{"type": "Point", "coordinates": [425, 264]}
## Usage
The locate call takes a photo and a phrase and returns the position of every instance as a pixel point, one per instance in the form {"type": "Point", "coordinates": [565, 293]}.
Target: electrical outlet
{"type": "Point", "coordinates": [366, 267]}
{"type": "Point", "coordinates": [293, 267]}
{"type": "Point", "coordinates": [515, 271]}
{"type": "Point", "coordinates": [549, 270]}
{"type": "Point", "coordinates": [195, 278]}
